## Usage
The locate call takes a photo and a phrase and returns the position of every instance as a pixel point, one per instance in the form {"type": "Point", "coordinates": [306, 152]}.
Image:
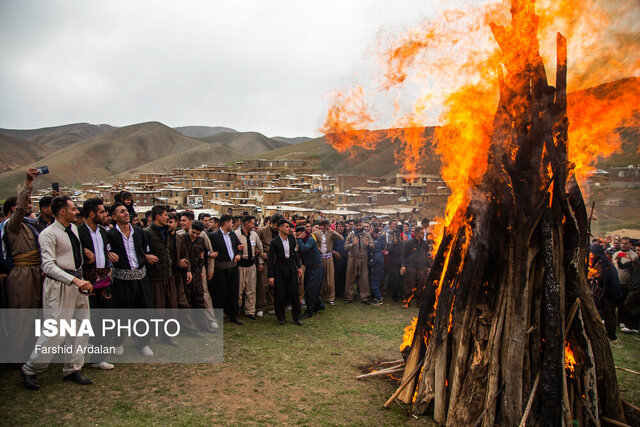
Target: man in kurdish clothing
{"type": "Point", "coordinates": [96, 266]}
{"type": "Point", "coordinates": [23, 284]}
{"type": "Point", "coordinates": [252, 247]}
{"type": "Point", "coordinates": [415, 269]}
{"type": "Point", "coordinates": [182, 277]}
{"type": "Point", "coordinates": [284, 269]}
{"type": "Point", "coordinates": [130, 287]}
{"type": "Point", "coordinates": [62, 266]}
{"type": "Point", "coordinates": [358, 243]}
{"type": "Point", "coordinates": [163, 286]}
{"type": "Point", "coordinates": [326, 237]}
{"type": "Point", "coordinates": [227, 251]}
{"type": "Point", "coordinates": [186, 219]}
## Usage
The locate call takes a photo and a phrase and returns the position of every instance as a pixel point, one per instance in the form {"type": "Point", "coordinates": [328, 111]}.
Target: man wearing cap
{"type": "Point", "coordinates": [325, 237]}
{"type": "Point", "coordinates": [251, 249]}
{"type": "Point", "coordinates": [284, 270]}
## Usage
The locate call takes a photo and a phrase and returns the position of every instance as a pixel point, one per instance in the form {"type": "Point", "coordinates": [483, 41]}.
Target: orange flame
{"type": "Point", "coordinates": [407, 338]}
{"type": "Point", "coordinates": [451, 313]}
{"type": "Point", "coordinates": [592, 274]}
{"type": "Point", "coordinates": [569, 359]}
{"type": "Point", "coordinates": [450, 64]}
{"type": "Point", "coordinates": [452, 59]}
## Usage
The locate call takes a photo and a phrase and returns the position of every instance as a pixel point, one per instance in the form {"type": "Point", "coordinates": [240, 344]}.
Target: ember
{"type": "Point", "coordinates": [407, 338]}
{"type": "Point", "coordinates": [569, 359]}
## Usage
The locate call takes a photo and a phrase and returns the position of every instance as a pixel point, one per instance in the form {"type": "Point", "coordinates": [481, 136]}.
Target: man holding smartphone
{"type": "Point", "coordinates": [62, 266]}
{"type": "Point", "coordinates": [23, 285]}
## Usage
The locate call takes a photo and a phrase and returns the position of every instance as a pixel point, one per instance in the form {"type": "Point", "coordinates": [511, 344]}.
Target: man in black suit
{"type": "Point", "coordinates": [227, 251]}
{"type": "Point", "coordinates": [130, 287]}
{"type": "Point", "coordinates": [97, 266]}
{"type": "Point", "coordinates": [284, 270]}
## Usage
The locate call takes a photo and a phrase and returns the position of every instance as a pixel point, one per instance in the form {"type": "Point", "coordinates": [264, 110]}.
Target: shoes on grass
{"type": "Point", "coordinates": [103, 365]}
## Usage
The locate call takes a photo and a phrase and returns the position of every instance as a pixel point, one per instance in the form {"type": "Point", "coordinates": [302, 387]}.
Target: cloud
{"type": "Point", "coordinates": [251, 65]}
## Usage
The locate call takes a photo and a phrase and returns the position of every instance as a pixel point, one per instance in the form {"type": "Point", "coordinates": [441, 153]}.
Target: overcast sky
{"type": "Point", "coordinates": [251, 65]}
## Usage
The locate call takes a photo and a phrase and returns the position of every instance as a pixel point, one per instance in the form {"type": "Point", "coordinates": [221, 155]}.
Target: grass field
{"type": "Point", "coordinates": [271, 375]}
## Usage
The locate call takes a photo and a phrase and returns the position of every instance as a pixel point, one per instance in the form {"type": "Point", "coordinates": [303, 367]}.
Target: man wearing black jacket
{"type": "Point", "coordinates": [415, 269]}
{"type": "Point", "coordinates": [130, 285]}
{"type": "Point", "coordinates": [227, 251]}
{"type": "Point", "coordinates": [96, 266]}
{"type": "Point", "coordinates": [163, 286]}
{"type": "Point", "coordinates": [284, 270]}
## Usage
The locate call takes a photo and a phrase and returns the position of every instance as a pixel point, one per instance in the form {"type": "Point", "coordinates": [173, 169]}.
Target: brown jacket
{"type": "Point", "coordinates": [331, 234]}
{"type": "Point", "coordinates": [266, 236]}
{"type": "Point", "coordinates": [355, 245]}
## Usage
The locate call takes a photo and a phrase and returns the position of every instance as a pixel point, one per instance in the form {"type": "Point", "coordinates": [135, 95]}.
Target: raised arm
{"type": "Point", "coordinates": [22, 205]}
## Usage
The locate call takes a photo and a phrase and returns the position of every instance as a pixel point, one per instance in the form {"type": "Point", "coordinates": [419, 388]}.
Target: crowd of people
{"type": "Point", "coordinates": [614, 274]}
{"type": "Point", "coordinates": [96, 256]}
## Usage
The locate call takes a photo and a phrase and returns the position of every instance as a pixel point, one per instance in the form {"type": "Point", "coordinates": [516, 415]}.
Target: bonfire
{"type": "Point", "coordinates": [514, 337]}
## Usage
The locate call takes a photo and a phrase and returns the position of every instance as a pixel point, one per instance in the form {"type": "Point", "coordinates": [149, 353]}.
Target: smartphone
{"type": "Point", "coordinates": [55, 187]}
{"type": "Point", "coordinates": [42, 170]}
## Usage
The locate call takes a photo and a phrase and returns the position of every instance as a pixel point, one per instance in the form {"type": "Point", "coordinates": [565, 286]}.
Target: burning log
{"type": "Point", "coordinates": [513, 334]}
{"type": "Point", "coordinates": [391, 370]}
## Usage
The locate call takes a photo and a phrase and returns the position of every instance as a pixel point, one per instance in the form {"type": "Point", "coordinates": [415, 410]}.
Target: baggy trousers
{"type": "Point", "coordinates": [328, 280]}
{"type": "Point", "coordinates": [414, 284]}
{"type": "Point", "coordinates": [60, 302]}
{"type": "Point", "coordinates": [184, 312]}
{"type": "Point", "coordinates": [357, 269]}
{"type": "Point", "coordinates": [247, 286]}
{"type": "Point", "coordinates": [264, 292]}
{"type": "Point", "coordinates": [312, 285]}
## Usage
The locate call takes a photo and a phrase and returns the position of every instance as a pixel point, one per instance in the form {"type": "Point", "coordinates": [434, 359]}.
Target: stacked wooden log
{"type": "Point", "coordinates": [511, 272]}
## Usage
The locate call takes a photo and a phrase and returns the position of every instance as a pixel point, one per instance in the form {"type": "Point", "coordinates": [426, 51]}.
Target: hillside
{"type": "Point", "coordinates": [110, 153]}
{"type": "Point", "coordinates": [202, 131]}
{"type": "Point", "coordinates": [610, 111]}
{"type": "Point", "coordinates": [294, 140]}
{"type": "Point", "coordinates": [247, 143]}
{"type": "Point", "coordinates": [380, 161]}
{"type": "Point", "coordinates": [211, 153]}
{"type": "Point", "coordinates": [59, 136]}
{"type": "Point", "coordinates": [16, 152]}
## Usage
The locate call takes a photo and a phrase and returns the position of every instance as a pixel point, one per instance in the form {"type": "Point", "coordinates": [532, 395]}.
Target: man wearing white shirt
{"type": "Point", "coordinates": [227, 251]}
{"type": "Point", "coordinates": [247, 273]}
{"type": "Point", "coordinates": [130, 287]}
{"type": "Point", "coordinates": [96, 267]}
{"type": "Point", "coordinates": [62, 266]}
{"type": "Point", "coordinates": [284, 270]}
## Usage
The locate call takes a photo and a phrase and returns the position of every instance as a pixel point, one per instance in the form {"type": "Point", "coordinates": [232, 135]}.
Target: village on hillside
{"type": "Point", "coordinates": [264, 187]}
